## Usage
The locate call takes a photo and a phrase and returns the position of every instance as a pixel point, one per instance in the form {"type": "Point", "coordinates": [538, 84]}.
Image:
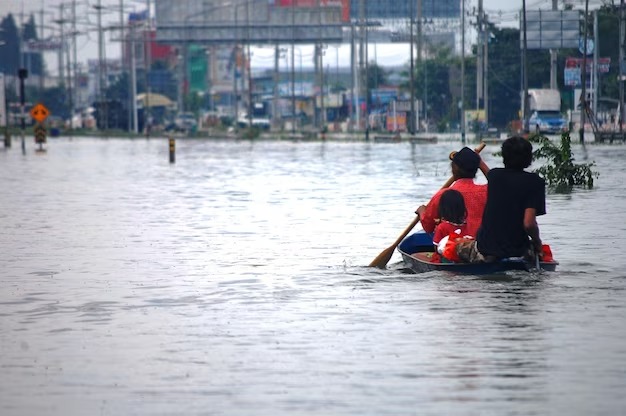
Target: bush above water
{"type": "Point", "coordinates": [560, 172]}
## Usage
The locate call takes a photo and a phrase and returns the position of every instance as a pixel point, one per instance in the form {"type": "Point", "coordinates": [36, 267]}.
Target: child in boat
{"type": "Point", "coordinates": [452, 220]}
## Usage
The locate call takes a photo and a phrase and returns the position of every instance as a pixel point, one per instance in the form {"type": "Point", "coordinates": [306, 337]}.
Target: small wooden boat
{"type": "Point", "coordinates": [420, 262]}
{"type": "Point", "coordinates": [388, 138]}
{"type": "Point", "coordinates": [423, 139]}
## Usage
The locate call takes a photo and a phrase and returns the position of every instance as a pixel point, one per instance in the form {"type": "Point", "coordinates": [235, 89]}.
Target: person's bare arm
{"type": "Point", "coordinates": [532, 228]}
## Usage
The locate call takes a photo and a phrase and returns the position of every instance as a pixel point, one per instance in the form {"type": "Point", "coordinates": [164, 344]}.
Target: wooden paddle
{"type": "Point", "coordinates": [383, 258]}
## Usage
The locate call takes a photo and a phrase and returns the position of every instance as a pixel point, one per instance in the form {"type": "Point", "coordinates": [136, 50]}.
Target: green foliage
{"type": "Point", "coordinates": [10, 50]}
{"type": "Point", "coordinates": [250, 133]}
{"type": "Point", "coordinates": [608, 30]}
{"type": "Point", "coordinates": [54, 98]}
{"type": "Point", "coordinates": [193, 102]}
{"type": "Point", "coordinates": [34, 60]}
{"type": "Point", "coordinates": [10, 57]}
{"type": "Point", "coordinates": [561, 173]}
{"type": "Point", "coordinates": [442, 125]}
{"type": "Point", "coordinates": [376, 75]}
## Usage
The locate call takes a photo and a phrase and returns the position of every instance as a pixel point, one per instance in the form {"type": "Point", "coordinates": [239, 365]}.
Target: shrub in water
{"type": "Point", "coordinates": [560, 172]}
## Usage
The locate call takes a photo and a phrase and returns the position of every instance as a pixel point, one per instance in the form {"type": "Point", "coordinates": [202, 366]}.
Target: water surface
{"type": "Point", "coordinates": [234, 283]}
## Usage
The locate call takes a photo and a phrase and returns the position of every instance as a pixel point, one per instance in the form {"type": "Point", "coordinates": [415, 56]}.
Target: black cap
{"type": "Point", "coordinates": [466, 159]}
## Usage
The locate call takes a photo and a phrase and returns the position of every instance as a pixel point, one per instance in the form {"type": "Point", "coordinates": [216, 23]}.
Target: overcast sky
{"type": "Point", "coordinates": [501, 12]}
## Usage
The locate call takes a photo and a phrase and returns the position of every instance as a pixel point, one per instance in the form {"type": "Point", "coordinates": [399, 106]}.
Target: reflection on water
{"type": "Point", "coordinates": [234, 282]}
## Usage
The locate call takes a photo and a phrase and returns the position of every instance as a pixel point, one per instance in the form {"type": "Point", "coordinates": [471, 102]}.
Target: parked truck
{"type": "Point", "coordinates": [545, 111]}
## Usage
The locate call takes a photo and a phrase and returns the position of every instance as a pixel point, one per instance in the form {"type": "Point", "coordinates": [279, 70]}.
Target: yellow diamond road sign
{"type": "Point", "coordinates": [39, 112]}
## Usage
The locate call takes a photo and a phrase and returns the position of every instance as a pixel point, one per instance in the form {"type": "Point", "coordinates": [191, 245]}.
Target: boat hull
{"type": "Point", "coordinates": [419, 263]}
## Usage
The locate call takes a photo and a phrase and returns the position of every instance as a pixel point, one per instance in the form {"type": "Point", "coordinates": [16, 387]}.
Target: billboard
{"type": "Point", "coordinates": [344, 4]}
{"type": "Point", "coordinates": [249, 21]}
{"type": "Point", "coordinates": [393, 9]}
{"type": "Point", "coordinates": [573, 69]}
{"type": "Point", "coordinates": [551, 29]}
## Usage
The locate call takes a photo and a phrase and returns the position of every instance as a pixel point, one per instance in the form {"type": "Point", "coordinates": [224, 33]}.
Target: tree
{"type": "Point", "coordinates": [34, 60]}
{"type": "Point", "coordinates": [10, 50]}
{"type": "Point", "coordinates": [504, 76]}
{"type": "Point", "coordinates": [434, 85]}
{"type": "Point", "coordinates": [432, 82]}
{"type": "Point", "coordinates": [54, 99]}
{"type": "Point", "coordinates": [376, 75]}
{"type": "Point", "coordinates": [608, 31]}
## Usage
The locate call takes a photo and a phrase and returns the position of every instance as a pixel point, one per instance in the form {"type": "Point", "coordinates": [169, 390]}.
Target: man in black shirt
{"type": "Point", "coordinates": [514, 199]}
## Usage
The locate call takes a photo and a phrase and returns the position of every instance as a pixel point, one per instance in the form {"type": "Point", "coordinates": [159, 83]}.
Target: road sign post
{"type": "Point", "coordinates": [40, 135]}
{"type": "Point", "coordinates": [40, 113]}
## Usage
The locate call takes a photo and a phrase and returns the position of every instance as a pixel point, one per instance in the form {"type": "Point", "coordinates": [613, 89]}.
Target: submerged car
{"type": "Point", "coordinates": [547, 122]}
{"type": "Point", "coordinates": [186, 122]}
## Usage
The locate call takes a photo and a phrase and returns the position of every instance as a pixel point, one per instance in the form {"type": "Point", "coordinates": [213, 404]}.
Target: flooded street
{"type": "Point", "coordinates": [234, 282]}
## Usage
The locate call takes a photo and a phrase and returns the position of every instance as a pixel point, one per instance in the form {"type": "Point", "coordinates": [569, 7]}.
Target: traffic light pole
{"type": "Point", "coordinates": [22, 73]}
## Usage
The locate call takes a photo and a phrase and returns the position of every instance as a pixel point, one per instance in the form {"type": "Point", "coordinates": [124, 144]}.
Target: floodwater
{"type": "Point", "coordinates": [234, 282]}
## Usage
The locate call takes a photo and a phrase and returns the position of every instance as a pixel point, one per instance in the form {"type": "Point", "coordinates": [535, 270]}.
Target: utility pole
{"type": "Point", "coordinates": [621, 75]}
{"type": "Point", "coordinates": [74, 68]}
{"type": "Point", "coordinates": [411, 126]}
{"type": "Point", "coordinates": [126, 46]}
{"type": "Point", "coordinates": [236, 63]}
{"type": "Point", "coordinates": [353, 106]}
{"type": "Point", "coordinates": [479, 58]}
{"type": "Point", "coordinates": [248, 65]}
{"type": "Point", "coordinates": [357, 86]}
{"type": "Point", "coordinates": [68, 55]}
{"type": "Point", "coordinates": [462, 103]}
{"type": "Point", "coordinates": [148, 64]}
{"type": "Point", "coordinates": [133, 79]}
{"type": "Point", "coordinates": [482, 49]}
{"type": "Point", "coordinates": [318, 81]}
{"type": "Point", "coordinates": [316, 61]}
{"type": "Point", "coordinates": [100, 106]}
{"type": "Point", "coordinates": [361, 74]}
{"type": "Point", "coordinates": [419, 30]}
{"type": "Point", "coordinates": [419, 55]}
{"type": "Point", "coordinates": [322, 103]}
{"type": "Point", "coordinates": [293, 66]}
{"type": "Point", "coordinates": [61, 23]}
{"type": "Point", "coordinates": [41, 75]}
{"type": "Point", "coordinates": [486, 68]}
{"type": "Point", "coordinates": [583, 97]}
{"type": "Point", "coordinates": [276, 82]}
{"type": "Point", "coordinates": [553, 55]}
{"type": "Point", "coordinates": [366, 76]}
{"type": "Point", "coordinates": [594, 74]}
{"type": "Point", "coordinates": [525, 69]}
